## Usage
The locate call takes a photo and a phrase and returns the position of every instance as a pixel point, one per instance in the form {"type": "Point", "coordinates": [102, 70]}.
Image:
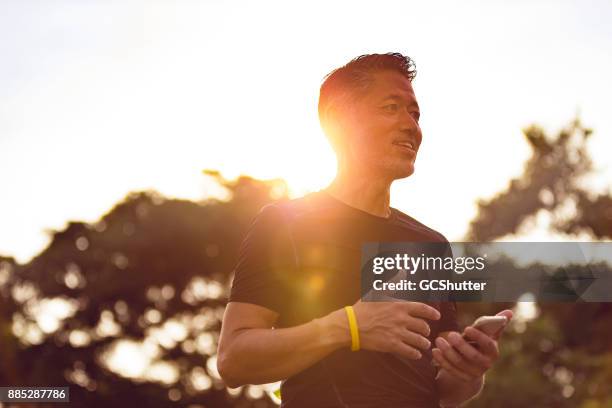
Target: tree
{"type": "Point", "coordinates": [563, 358]}
{"type": "Point", "coordinates": [149, 279]}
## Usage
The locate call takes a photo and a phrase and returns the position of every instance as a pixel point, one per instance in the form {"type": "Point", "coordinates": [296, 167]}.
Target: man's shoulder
{"type": "Point", "coordinates": [413, 224]}
{"type": "Point", "coordinates": [292, 209]}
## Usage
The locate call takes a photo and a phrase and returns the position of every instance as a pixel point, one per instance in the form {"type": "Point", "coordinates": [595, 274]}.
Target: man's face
{"type": "Point", "coordinates": [383, 130]}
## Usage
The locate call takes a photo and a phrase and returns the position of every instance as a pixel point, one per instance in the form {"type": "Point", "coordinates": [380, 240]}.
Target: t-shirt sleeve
{"type": "Point", "coordinates": [265, 261]}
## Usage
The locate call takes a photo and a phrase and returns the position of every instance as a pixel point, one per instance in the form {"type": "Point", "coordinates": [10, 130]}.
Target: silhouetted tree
{"type": "Point", "coordinates": [152, 273]}
{"type": "Point", "coordinates": [551, 177]}
{"type": "Point", "coordinates": [564, 357]}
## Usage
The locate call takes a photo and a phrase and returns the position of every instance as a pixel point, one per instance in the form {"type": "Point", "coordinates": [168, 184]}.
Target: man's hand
{"type": "Point", "coordinates": [395, 327]}
{"type": "Point", "coordinates": [463, 361]}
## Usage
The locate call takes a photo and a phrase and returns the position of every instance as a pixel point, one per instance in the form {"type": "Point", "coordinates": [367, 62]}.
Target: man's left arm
{"type": "Point", "coordinates": [461, 376]}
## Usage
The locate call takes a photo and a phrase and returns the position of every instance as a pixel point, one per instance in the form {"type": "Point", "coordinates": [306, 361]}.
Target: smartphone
{"type": "Point", "coordinates": [489, 325]}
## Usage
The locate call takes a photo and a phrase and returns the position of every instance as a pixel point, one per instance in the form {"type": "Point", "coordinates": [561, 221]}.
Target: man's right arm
{"type": "Point", "coordinates": [252, 352]}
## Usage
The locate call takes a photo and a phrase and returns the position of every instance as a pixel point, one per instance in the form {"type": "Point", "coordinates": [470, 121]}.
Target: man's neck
{"type": "Point", "coordinates": [363, 194]}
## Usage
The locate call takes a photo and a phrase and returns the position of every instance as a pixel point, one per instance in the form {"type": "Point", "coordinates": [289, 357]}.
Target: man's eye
{"type": "Point", "coordinates": [416, 116]}
{"type": "Point", "coordinates": [391, 107]}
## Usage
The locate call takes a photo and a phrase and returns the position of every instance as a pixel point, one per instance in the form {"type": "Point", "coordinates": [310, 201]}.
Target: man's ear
{"type": "Point", "coordinates": [334, 130]}
{"type": "Point", "coordinates": [342, 123]}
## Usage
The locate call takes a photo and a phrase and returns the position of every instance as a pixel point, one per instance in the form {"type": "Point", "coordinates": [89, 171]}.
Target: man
{"type": "Point", "coordinates": [300, 265]}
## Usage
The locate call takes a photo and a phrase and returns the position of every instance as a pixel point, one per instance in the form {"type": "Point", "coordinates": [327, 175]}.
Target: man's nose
{"type": "Point", "coordinates": [407, 121]}
{"type": "Point", "coordinates": [410, 127]}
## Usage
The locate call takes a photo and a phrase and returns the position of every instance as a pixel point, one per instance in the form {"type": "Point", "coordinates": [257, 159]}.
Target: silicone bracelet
{"type": "Point", "coordinates": [350, 313]}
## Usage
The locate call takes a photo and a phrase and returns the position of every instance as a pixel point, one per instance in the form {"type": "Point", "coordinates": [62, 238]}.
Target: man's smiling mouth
{"type": "Point", "coordinates": [406, 145]}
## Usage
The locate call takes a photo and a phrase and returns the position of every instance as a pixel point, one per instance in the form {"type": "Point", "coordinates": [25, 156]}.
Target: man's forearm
{"type": "Point", "coordinates": [259, 356]}
{"type": "Point", "coordinates": [454, 391]}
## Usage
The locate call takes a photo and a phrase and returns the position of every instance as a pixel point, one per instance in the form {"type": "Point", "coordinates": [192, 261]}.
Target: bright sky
{"type": "Point", "coordinates": [99, 98]}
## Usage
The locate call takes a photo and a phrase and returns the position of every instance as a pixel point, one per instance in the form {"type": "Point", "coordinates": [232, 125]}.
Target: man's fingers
{"type": "Point", "coordinates": [418, 309]}
{"type": "Point", "coordinates": [449, 353]}
{"type": "Point", "coordinates": [456, 359]}
{"type": "Point", "coordinates": [471, 354]}
{"type": "Point", "coordinates": [405, 350]}
{"type": "Point", "coordinates": [418, 325]}
{"type": "Point", "coordinates": [415, 340]}
{"type": "Point", "coordinates": [486, 344]}
{"type": "Point", "coordinates": [445, 364]}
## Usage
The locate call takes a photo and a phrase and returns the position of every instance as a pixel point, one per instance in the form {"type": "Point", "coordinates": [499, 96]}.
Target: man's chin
{"type": "Point", "coordinates": [404, 172]}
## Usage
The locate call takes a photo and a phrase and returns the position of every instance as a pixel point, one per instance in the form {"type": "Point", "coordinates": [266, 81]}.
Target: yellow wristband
{"type": "Point", "coordinates": [350, 313]}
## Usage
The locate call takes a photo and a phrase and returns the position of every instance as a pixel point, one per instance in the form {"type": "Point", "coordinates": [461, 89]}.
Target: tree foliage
{"type": "Point", "coordinates": [563, 358]}
{"type": "Point", "coordinates": [137, 298]}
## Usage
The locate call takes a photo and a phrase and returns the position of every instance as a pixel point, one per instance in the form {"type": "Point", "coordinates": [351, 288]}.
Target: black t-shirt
{"type": "Point", "coordinates": [301, 258]}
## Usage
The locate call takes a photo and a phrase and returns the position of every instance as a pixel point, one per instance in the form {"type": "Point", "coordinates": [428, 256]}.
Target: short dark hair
{"type": "Point", "coordinates": [341, 86]}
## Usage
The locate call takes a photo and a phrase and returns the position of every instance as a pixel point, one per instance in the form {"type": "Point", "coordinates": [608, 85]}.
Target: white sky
{"type": "Point", "coordinates": [99, 98]}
